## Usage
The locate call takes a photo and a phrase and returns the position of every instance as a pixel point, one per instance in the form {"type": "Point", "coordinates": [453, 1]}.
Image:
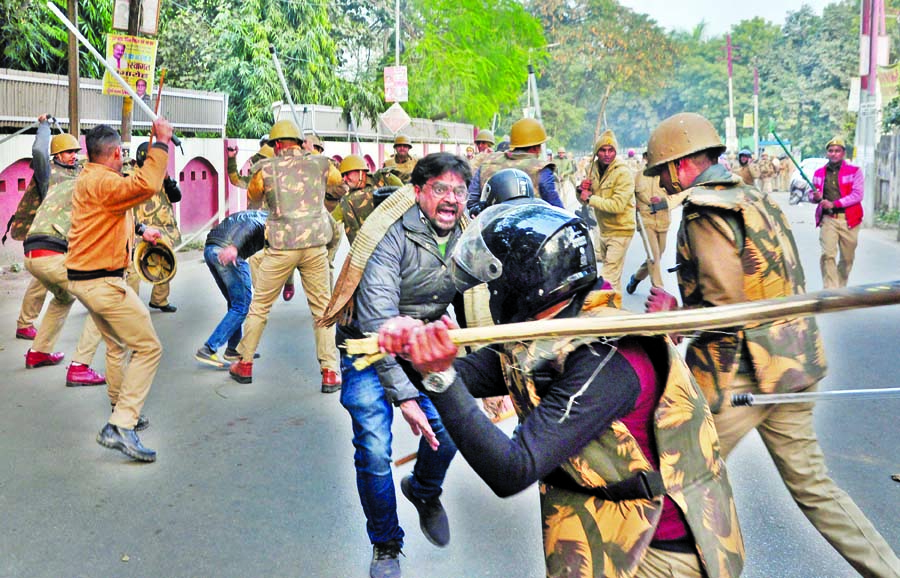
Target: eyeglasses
{"type": "Point", "coordinates": [440, 191]}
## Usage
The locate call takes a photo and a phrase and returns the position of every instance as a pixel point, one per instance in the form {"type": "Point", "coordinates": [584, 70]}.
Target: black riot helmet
{"type": "Point", "coordinates": [141, 155]}
{"type": "Point", "coordinates": [531, 255]}
{"type": "Point", "coordinates": [503, 186]}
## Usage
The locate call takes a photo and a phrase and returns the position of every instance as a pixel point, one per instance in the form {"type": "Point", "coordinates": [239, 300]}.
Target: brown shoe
{"type": "Point", "coordinates": [241, 371]}
{"type": "Point", "coordinates": [331, 381]}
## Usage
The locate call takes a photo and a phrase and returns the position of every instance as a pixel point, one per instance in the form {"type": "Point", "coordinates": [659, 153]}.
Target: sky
{"type": "Point", "coordinates": [719, 15]}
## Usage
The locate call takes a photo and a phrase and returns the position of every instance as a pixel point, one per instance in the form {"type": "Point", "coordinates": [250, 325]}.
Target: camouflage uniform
{"type": "Point", "coordinates": [243, 182]}
{"type": "Point", "coordinates": [525, 162]}
{"type": "Point", "coordinates": [404, 170]}
{"type": "Point", "coordinates": [49, 231]}
{"type": "Point", "coordinates": [157, 212]}
{"type": "Point", "coordinates": [736, 245]}
{"type": "Point", "coordinates": [356, 206]}
{"type": "Point", "coordinates": [298, 229]}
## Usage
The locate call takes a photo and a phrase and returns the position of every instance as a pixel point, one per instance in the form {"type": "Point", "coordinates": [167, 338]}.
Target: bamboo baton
{"type": "Point", "coordinates": [750, 399]}
{"type": "Point", "coordinates": [284, 86]}
{"type": "Point", "coordinates": [684, 321]}
{"type": "Point", "coordinates": [112, 71]}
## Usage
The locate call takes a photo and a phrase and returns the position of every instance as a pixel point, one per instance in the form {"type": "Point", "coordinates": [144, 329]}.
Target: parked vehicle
{"type": "Point", "coordinates": [799, 187]}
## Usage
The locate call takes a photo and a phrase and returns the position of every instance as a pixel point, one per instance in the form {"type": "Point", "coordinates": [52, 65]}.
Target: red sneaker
{"type": "Point", "coordinates": [38, 359]}
{"type": "Point", "coordinates": [28, 333]}
{"type": "Point", "coordinates": [79, 375]}
{"type": "Point", "coordinates": [241, 371]}
{"type": "Point", "coordinates": [288, 292]}
{"type": "Point", "coordinates": [331, 381]}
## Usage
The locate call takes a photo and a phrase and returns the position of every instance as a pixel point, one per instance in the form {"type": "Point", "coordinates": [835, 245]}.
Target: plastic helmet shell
{"type": "Point", "coordinates": [155, 264]}
{"type": "Point", "coordinates": [315, 141]}
{"type": "Point", "coordinates": [402, 139]}
{"type": "Point", "coordinates": [484, 135]}
{"type": "Point", "coordinates": [531, 255]}
{"type": "Point", "coordinates": [679, 136]}
{"type": "Point", "coordinates": [506, 185]}
{"type": "Point", "coordinates": [140, 155]}
{"type": "Point", "coordinates": [353, 163]}
{"type": "Point", "coordinates": [526, 133]}
{"type": "Point", "coordinates": [284, 129]}
{"type": "Point", "coordinates": [64, 142]}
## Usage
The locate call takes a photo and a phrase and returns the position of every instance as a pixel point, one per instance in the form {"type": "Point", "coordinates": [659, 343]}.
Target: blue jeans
{"type": "Point", "coordinates": [234, 283]}
{"type": "Point", "coordinates": [372, 414]}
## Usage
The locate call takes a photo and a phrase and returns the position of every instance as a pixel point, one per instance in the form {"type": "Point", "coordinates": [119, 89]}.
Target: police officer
{"type": "Point", "coordinates": [297, 230]}
{"type": "Point", "coordinates": [525, 139]}
{"type": "Point", "coordinates": [654, 211]}
{"type": "Point", "coordinates": [747, 169]}
{"type": "Point", "coordinates": [401, 161]}
{"type": "Point", "coordinates": [736, 245]}
{"type": "Point", "coordinates": [358, 203]}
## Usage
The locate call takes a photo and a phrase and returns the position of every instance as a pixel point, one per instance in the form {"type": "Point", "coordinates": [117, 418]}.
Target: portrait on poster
{"type": "Point", "coordinates": [134, 59]}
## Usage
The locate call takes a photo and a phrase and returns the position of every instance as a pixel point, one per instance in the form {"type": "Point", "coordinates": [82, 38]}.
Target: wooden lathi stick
{"type": "Point", "coordinates": [683, 321]}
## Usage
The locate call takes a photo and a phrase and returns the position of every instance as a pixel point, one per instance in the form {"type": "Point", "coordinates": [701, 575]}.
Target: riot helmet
{"type": "Point", "coordinates": [141, 154]}
{"type": "Point", "coordinates": [531, 255]}
{"type": "Point", "coordinates": [505, 185]}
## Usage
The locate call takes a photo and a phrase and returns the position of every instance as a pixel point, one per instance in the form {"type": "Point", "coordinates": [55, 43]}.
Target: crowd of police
{"type": "Point", "coordinates": [627, 437]}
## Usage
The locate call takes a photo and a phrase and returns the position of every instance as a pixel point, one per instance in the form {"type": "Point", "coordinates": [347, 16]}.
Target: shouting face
{"type": "Point", "coordinates": [442, 200]}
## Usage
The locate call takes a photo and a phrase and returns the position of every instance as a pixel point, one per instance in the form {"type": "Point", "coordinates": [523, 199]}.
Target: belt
{"type": "Point", "coordinates": [641, 486]}
{"type": "Point", "coordinates": [41, 253]}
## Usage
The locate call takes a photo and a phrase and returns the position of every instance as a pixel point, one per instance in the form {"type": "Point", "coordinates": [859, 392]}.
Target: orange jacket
{"type": "Point", "coordinates": [102, 221]}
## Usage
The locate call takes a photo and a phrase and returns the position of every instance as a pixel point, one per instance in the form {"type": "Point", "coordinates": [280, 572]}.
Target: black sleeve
{"type": "Point", "coordinates": [595, 389]}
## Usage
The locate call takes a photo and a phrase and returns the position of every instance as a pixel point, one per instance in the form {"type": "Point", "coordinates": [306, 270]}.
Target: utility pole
{"type": "Point", "coordinates": [397, 33]}
{"type": "Point", "coordinates": [134, 22]}
{"type": "Point", "coordinates": [731, 140]}
{"type": "Point", "coordinates": [755, 108]}
{"type": "Point", "coordinates": [74, 120]}
{"type": "Point", "coordinates": [868, 126]}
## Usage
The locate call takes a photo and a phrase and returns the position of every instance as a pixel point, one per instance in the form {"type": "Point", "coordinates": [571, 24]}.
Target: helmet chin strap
{"type": "Point", "coordinates": [673, 176]}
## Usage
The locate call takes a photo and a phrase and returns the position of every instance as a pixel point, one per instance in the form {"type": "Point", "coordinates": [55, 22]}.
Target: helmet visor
{"type": "Point", "coordinates": [472, 263]}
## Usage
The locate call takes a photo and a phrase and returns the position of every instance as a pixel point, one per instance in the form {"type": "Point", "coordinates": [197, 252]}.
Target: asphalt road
{"type": "Point", "coordinates": [258, 480]}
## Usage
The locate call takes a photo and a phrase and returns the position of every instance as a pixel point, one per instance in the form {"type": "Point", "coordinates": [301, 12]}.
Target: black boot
{"type": "Point", "coordinates": [126, 441]}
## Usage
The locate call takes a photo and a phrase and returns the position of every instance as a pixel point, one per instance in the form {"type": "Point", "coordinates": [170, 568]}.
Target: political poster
{"type": "Point", "coordinates": [134, 58]}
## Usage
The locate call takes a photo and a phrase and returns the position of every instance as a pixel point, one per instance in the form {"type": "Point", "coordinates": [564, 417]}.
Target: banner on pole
{"type": "Point", "coordinates": [134, 58]}
{"type": "Point", "coordinates": [396, 84]}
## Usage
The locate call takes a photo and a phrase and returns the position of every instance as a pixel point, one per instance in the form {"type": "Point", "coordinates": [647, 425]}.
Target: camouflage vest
{"type": "Point", "coordinates": [157, 212]}
{"type": "Point", "coordinates": [403, 169]}
{"type": "Point", "coordinates": [54, 216]}
{"type": "Point", "coordinates": [787, 355]}
{"type": "Point", "coordinates": [356, 206]}
{"type": "Point", "coordinates": [31, 199]}
{"type": "Point", "coordinates": [526, 162]}
{"type": "Point", "coordinates": [590, 537]}
{"type": "Point", "coordinates": [294, 187]}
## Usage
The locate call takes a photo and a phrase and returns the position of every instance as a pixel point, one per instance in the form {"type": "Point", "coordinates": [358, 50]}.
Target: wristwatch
{"type": "Point", "coordinates": [439, 381]}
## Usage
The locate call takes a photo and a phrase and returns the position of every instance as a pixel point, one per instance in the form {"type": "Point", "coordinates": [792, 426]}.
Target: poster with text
{"type": "Point", "coordinates": [134, 59]}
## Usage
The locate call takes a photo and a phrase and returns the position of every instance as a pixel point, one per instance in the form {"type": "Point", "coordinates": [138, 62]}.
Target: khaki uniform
{"type": "Point", "coordinates": [99, 251]}
{"type": "Point", "coordinates": [656, 226]}
{"type": "Point", "coordinates": [298, 229]}
{"type": "Point", "coordinates": [612, 198]}
{"type": "Point", "coordinates": [766, 173]}
{"type": "Point", "coordinates": [748, 173]}
{"type": "Point", "coordinates": [525, 162]}
{"type": "Point", "coordinates": [735, 245]}
{"type": "Point", "coordinates": [36, 292]}
{"type": "Point", "coordinates": [404, 169]}
{"type": "Point", "coordinates": [157, 212]}
{"type": "Point", "coordinates": [51, 224]}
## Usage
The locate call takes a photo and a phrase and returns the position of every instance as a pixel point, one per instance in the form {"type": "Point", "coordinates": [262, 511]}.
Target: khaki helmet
{"type": "Point", "coordinates": [155, 264]}
{"type": "Point", "coordinates": [484, 135]}
{"type": "Point", "coordinates": [267, 151]}
{"type": "Point", "coordinates": [284, 129]}
{"type": "Point", "coordinates": [679, 136]}
{"type": "Point", "coordinates": [836, 141]}
{"type": "Point", "coordinates": [64, 142]}
{"type": "Point", "coordinates": [353, 163]}
{"type": "Point", "coordinates": [315, 141]}
{"type": "Point", "coordinates": [526, 133]}
{"type": "Point", "coordinates": [402, 139]}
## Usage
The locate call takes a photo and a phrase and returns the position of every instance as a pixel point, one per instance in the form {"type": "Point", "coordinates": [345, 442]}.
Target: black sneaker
{"type": "Point", "coordinates": [233, 355]}
{"type": "Point", "coordinates": [385, 560]}
{"type": "Point", "coordinates": [167, 308]}
{"type": "Point", "coordinates": [126, 441]}
{"type": "Point", "coordinates": [632, 285]}
{"type": "Point", "coordinates": [206, 355]}
{"type": "Point", "coordinates": [432, 517]}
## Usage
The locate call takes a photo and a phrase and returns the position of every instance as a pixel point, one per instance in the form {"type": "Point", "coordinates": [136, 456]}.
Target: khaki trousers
{"type": "Point", "coordinates": [32, 303]}
{"type": "Point", "coordinates": [834, 236]}
{"type": "Point", "coordinates": [159, 295]}
{"type": "Point", "coordinates": [787, 432]}
{"type": "Point", "coordinates": [124, 322]}
{"type": "Point", "coordinates": [269, 270]}
{"type": "Point", "coordinates": [611, 258]}
{"type": "Point", "coordinates": [657, 242]}
{"type": "Point", "coordinates": [663, 564]}
{"type": "Point", "coordinates": [51, 272]}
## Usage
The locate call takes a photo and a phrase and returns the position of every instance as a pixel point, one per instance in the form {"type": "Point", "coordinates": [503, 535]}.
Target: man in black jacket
{"type": "Point", "coordinates": [228, 245]}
